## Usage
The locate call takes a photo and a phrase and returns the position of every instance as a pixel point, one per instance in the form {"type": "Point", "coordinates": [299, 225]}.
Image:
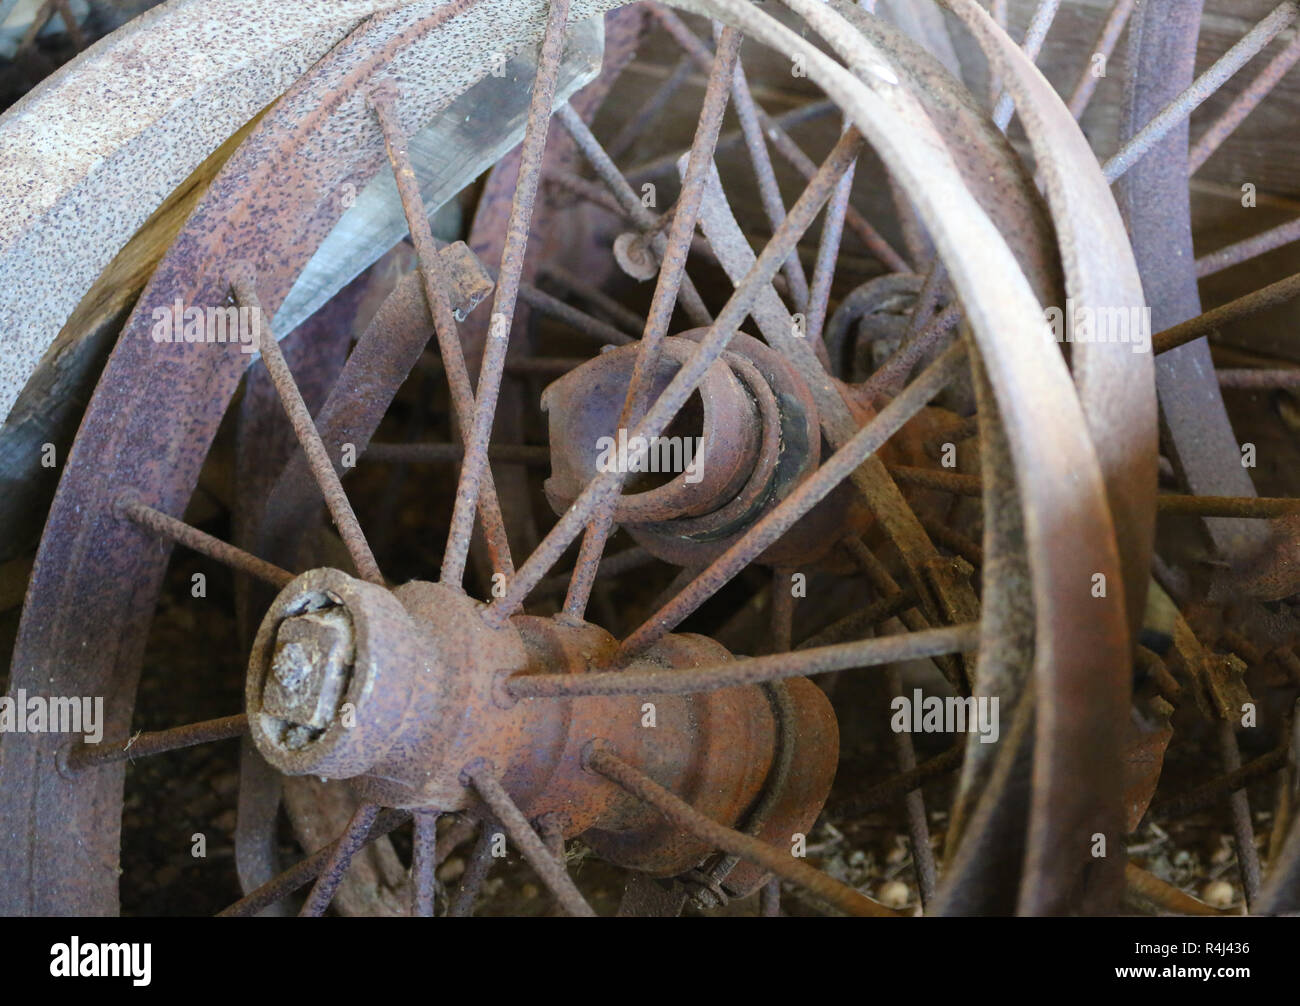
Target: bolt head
{"type": "Point", "coordinates": [310, 669]}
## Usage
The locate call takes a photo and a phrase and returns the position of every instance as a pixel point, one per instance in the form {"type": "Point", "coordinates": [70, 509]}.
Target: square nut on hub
{"type": "Point", "coordinates": [310, 668]}
{"type": "Point", "coordinates": [332, 676]}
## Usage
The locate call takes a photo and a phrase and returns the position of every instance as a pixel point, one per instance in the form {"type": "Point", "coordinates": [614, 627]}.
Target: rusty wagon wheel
{"type": "Point", "coordinates": [432, 702]}
{"type": "Point", "coordinates": [1232, 617]}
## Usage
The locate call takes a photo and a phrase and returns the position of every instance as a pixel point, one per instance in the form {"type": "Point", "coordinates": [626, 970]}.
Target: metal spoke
{"type": "Point", "coordinates": [1260, 507]}
{"type": "Point", "coordinates": [647, 221]}
{"type": "Point", "coordinates": [43, 15]}
{"type": "Point", "coordinates": [472, 472]}
{"type": "Point", "coordinates": [601, 331]}
{"type": "Point", "coordinates": [882, 794]}
{"type": "Point", "coordinates": [552, 832]}
{"type": "Point", "coordinates": [837, 420]}
{"type": "Point", "coordinates": [1243, 824]}
{"type": "Point", "coordinates": [143, 745]}
{"type": "Point", "coordinates": [1251, 378]}
{"type": "Point", "coordinates": [306, 870]}
{"type": "Point", "coordinates": [864, 620]}
{"type": "Point", "coordinates": [424, 862]}
{"type": "Point", "coordinates": [244, 285]}
{"type": "Point", "coordinates": [1035, 35]}
{"type": "Point", "coordinates": [875, 652]}
{"type": "Point", "coordinates": [1272, 295]}
{"type": "Point", "coordinates": [71, 25]}
{"type": "Point", "coordinates": [520, 366]}
{"type": "Point", "coordinates": [1111, 30]}
{"type": "Point", "coordinates": [900, 600]}
{"type": "Point", "coordinates": [1165, 683]}
{"type": "Point", "coordinates": [166, 526]}
{"type": "Point", "coordinates": [602, 488]}
{"type": "Point", "coordinates": [430, 454]}
{"type": "Point", "coordinates": [476, 871]}
{"type": "Point", "coordinates": [589, 552]}
{"type": "Point", "coordinates": [610, 565]}
{"type": "Point", "coordinates": [782, 143]}
{"type": "Point", "coordinates": [673, 268]}
{"type": "Point", "coordinates": [925, 333]}
{"type": "Point", "coordinates": [725, 68]}
{"type": "Point", "coordinates": [768, 189]}
{"type": "Point", "coordinates": [1244, 251]}
{"type": "Point", "coordinates": [340, 858]}
{"type": "Point", "coordinates": [828, 250]}
{"type": "Point", "coordinates": [1245, 103]}
{"type": "Point", "coordinates": [816, 883]}
{"type": "Point", "coordinates": [937, 478]}
{"type": "Point", "coordinates": [593, 192]}
{"type": "Point", "coordinates": [752, 133]}
{"type": "Point", "coordinates": [628, 320]}
{"type": "Point", "coordinates": [552, 871]}
{"type": "Point", "coordinates": [1202, 88]}
{"type": "Point", "coordinates": [914, 803]}
{"type": "Point", "coordinates": [449, 344]}
{"type": "Point", "coordinates": [639, 121]}
{"type": "Point", "coordinates": [953, 540]}
{"type": "Point", "coordinates": [776, 522]}
{"type": "Point", "coordinates": [997, 11]}
{"type": "Point", "coordinates": [666, 163]}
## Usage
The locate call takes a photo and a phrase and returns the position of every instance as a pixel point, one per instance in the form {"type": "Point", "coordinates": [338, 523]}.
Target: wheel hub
{"type": "Point", "coordinates": [758, 439]}
{"type": "Point", "coordinates": [402, 691]}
